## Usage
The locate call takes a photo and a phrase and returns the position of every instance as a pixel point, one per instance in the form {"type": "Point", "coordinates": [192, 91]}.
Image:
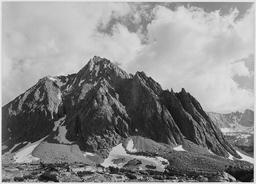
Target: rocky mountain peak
{"type": "Point", "coordinates": [102, 105]}
{"type": "Point", "coordinates": [248, 111]}
{"type": "Point", "coordinates": [183, 91]}
{"type": "Point", "coordinates": [98, 68]}
{"type": "Point", "coordinates": [247, 118]}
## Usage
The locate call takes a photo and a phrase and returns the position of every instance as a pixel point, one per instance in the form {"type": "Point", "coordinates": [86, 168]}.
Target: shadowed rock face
{"type": "Point", "coordinates": [102, 105]}
{"type": "Point", "coordinates": [194, 123]}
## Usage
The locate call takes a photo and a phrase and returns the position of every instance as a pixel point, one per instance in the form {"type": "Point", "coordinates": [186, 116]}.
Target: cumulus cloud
{"type": "Point", "coordinates": [240, 69]}
{"type": "Point", "coordinates": [42, 39]}
{"type": "Point", "coordinates": [196, 50]}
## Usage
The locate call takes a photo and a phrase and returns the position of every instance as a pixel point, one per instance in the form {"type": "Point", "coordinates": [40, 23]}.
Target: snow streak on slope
{"type": "Point", "coordinates": [245, 157]}
{"type": "Point", "coordinates": [81, 82]}
{"type": "Point", "coordinates": [25, 154]}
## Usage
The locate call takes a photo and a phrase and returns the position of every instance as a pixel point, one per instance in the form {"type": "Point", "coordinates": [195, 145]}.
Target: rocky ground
{"type": "Point", "coordinates": [63, 172]}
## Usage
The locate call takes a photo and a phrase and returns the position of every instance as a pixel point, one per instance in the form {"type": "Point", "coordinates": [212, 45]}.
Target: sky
{"type": "Point", "coordinates": [206, 48]}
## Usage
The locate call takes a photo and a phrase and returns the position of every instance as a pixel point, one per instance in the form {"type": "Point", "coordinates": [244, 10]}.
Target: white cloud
{"type": "Point", "coordinates": [193, 49]}
{"type": "Point", "coordinates": [42, 39]}
{"type": "Point", "coordinates": [121, 47]}
{"type": "Point", "coordinates": [240, 69]}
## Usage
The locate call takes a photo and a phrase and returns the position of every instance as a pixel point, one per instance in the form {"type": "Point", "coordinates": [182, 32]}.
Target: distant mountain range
{"type": "Point", "coordinates": [234, 121]}
{"type": "Point", "coordinates": [238, 128]}
{"type": "Point", "coordinates": [101, 111]}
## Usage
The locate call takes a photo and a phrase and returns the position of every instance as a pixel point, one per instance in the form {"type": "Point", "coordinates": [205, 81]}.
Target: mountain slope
{"type": "Point", "coordinates": [98, 108]}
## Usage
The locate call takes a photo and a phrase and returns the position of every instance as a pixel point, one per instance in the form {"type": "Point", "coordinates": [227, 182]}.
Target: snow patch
{"type": "Point", "coordinates": [119, 152]}
{"type": "Point", "coordinates": [179, 148]}
{"type": "Point", "coordinates": [230, 157]}
{"type": "Point", "coordinates": [58, 123]}
{"type": "Point", "coordinates": [89, 154]}
{"type": "Point", "coordinates": [51, 78]}
{"type": "Point", "coordinates": [226, 130]}
{"type": "Point", "coordinates": [59, 95]}
{"type": "Point", "coordinates": [25, 154]}
{"type": "Point", "coordinates": [61, 135]}
{"type": "Point", "coordinates": [68, 87]}
{"type": "Point", "coordinates": [91, 65]}
{"type": "Point", "coordinates": [74, 81]}
{"type": "Point", "coordinates": [80, 82]}
{"type": "Point", "coordinates": [245, 157]}
{"type": "Point", "coordinates": [14, 147]}
{"type": "Point", "coordinates": [211, 152]}
{"type": "Point", "coordinates": [130, 146]}
{"type": "Point", "coordinates": [97, 68]}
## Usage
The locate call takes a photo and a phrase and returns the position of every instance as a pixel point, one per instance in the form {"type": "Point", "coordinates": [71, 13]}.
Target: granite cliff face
{"type": "Point", "coordinates": [100, 106]}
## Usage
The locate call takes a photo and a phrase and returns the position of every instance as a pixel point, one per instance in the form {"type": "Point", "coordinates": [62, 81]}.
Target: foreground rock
{"type": "Point", "coordinates": [222, 177]}
{"type": "Point", "coordinates": [64, 173]}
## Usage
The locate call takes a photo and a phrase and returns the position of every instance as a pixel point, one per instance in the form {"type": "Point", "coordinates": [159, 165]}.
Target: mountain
{"type": "Point", "coordinates": [234, 121]}
{"type": "Point", "coordinates": [101, 115]}
{"type": "Point", "coordinates": [238, 128]}
{"type": "Point", "coordinates": [247, 118]}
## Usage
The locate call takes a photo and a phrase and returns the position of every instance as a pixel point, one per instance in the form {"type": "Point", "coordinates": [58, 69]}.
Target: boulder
{"type": "Point", "coordinates": [158, 177]}
{"type": "Point", "coordinates": [150, 166]}
{"type": "Point", "coordinates": [133, 164]}
{"type": "Point", "coordinates": [18, 179]}
{"type": "Point", "coordinates": [113, 170]}
{"type": "Point", "coordinates": [222, 177]}
{"type": "Point", "coordinates": [131, 176]}
{"type": "Point", "coordinates": [49, 176]}
{"type": "Point", "coordinates": [118, 160]}
{"type": "Point", "coordinates": [201, 178]}
{"type": "Point", "coordinates": [230, 177]}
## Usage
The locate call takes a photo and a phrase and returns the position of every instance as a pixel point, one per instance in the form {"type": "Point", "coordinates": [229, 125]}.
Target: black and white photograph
{"type": "Point", "coordinates": [120, 91]}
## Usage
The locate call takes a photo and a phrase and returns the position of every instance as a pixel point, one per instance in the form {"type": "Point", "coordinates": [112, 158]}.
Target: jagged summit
{"type": "Point", "coordinates": [100, 106]}
{"type": "Point", "coordinates": [98, 68]}
{"type": "Point", "coordinates": [98, 59]}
